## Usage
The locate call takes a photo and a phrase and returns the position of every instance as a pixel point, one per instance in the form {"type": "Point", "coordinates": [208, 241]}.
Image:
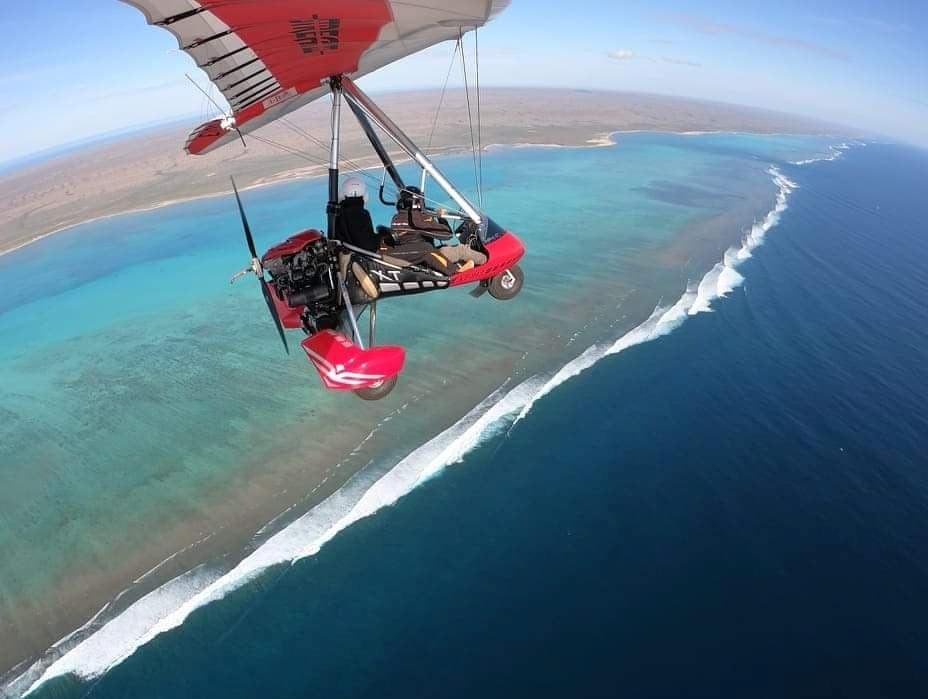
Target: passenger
{"type": "Point", "coordinates": [414, 231]}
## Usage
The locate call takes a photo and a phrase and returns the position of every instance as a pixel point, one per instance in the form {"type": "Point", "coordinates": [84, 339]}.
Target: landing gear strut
{"type": "Point", "coordinates": [382, 388]}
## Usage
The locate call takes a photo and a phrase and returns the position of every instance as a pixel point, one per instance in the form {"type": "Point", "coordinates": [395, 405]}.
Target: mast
{"type": "Point", "coordinates": [332, 208]}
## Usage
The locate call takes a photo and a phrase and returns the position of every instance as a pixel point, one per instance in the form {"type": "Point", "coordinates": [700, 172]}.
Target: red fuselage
{"type": "Point", "coordinates": [343, 365]}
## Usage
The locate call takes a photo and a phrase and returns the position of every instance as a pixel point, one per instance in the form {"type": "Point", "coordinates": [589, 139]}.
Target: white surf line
{"type": "Point", "coordinates": [110, 637]}
{"type": "Point", "coordinates": [140, 607]}
{"type": "Point", "coordinates": [93, 620]}
{"type": "Point", "coordinates": [364, 494]}
{"type": "Point", "coordinates": [167, 607]}
{"type": "Point", "coordinates": [718, 282]}
{"type": "Point", "coordinates": [834, 152]}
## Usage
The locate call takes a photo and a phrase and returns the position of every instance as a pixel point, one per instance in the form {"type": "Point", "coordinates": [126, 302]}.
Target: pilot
{"type": "Point", "coordinates": [353, 223]}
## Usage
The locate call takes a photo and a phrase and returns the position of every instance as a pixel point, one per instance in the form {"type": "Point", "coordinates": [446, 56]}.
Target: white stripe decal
{"type": "Point", "coordinates": [333, 376]}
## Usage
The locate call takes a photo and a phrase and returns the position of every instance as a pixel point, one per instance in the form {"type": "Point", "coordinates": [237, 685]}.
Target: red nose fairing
{"type": "Point", "coordinates": [342, 365]}
{"type": "Point", "coordinates": [503, 252]}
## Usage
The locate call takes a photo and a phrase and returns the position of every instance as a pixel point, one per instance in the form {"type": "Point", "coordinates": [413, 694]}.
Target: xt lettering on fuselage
{"type": "Point", "coordinates": [386, 275]}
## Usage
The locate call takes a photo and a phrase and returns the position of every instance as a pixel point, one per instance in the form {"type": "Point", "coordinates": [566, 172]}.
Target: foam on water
{"type": "Point", "coordinates": [370, 490]}
{"type": "Point", "coordinates": [719, 281]}
{"type": "Point", "coordinates": [168, 607]}
{"type": "Point", "coordinates": [833, 153]}
{"type": "Point", "coordinates": [113, 642]}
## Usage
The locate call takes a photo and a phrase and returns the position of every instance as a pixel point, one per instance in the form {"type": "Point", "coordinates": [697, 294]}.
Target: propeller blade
{"type": "Point", "coordinates": [241, 210]}
{"type": "Point", "coordinates": [273, 309]}
{"type": "Point", "coordinates": [257, 267]}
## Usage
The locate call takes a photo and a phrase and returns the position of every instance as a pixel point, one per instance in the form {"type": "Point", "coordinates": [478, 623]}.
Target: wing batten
{"type": "Point", "coordinates": [289, 47]}
{"type": "Point", "coordinates": [217, 59]}
{"type": "Point", "coordinates": [183, 15]}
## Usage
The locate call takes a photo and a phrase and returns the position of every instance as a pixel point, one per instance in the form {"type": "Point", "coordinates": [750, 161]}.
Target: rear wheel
{"type": "Point", "coordinates": [506, 285]}
{"type": "Point", "coordinates": [379, 390]}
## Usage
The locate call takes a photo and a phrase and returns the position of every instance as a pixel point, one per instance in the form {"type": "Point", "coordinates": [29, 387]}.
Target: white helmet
{"type": "Point", "coordinates": [353, 187]}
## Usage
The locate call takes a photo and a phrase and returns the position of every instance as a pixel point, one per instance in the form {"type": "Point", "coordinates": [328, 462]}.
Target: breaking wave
{"type": "Point", "coordinates": [371, 489]}
{"type": "Point", "coordinates": [833, 153]}
{"type": "Point", "coordinates": [718, 282]}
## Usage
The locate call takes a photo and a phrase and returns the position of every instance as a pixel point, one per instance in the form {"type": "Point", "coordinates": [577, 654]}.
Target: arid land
{"type": "Point", "coordinates": [147, 169]}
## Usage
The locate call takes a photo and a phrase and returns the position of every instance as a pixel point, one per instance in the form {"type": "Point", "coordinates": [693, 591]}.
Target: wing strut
{"type": "Point", "coordinates": [356, 96]}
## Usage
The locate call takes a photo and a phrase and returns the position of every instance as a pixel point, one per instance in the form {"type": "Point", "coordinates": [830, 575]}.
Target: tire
{"type": "Point", "coordinates": [377, 392]}
{"type": "Point", "coordinates": [507, 285]}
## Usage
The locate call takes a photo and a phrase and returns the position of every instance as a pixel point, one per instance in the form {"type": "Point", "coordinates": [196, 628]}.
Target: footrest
{"type": "Point", "coordinates": [344, 366]}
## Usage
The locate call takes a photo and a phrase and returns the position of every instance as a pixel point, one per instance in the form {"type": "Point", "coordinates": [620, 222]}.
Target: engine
{"type": "Point", "coordinates": [302, 272]}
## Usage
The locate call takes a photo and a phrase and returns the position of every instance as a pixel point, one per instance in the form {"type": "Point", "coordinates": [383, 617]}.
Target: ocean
{"type": "Point", "coordinates": [705, 478]}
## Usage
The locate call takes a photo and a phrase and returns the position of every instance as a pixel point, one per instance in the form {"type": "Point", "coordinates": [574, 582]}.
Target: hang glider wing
{"type": "Point", "coordinates": [269, 57]}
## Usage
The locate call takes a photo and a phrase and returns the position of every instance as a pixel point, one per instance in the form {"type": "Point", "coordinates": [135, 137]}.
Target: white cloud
{"type": "Point", "coordinates": [622, 54]}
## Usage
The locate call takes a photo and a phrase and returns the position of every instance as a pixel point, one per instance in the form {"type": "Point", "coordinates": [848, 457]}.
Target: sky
{"type": "Point", "coordinates": [72, 70]}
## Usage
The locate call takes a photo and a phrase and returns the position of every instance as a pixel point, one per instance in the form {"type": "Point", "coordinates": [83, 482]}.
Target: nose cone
{"type": "Point", "coordinates": [343, 366]}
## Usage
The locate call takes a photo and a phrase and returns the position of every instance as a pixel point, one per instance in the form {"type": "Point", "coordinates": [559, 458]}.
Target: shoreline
{"type": "Point", "coordinates": [599, 140]}
{"type": "Point", "coordinates": [284, 176]}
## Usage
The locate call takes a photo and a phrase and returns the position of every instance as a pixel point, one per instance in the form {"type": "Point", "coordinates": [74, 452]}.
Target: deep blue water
{"type": "Point", "coordinates": [736, 509]}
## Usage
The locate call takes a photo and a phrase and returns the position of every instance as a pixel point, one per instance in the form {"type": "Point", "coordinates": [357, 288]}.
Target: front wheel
{"type": "Point", "coordinates": [378, 390]}
{"type": "Point", "coordinates": [506, 285]}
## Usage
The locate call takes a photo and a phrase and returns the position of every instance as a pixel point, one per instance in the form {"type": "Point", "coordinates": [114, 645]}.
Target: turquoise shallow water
{"type": "Point", "coordinates": [139, 392]}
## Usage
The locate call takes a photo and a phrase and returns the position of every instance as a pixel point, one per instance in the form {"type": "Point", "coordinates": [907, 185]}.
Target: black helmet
{"type": "Point", "coordinates": [410, 198]}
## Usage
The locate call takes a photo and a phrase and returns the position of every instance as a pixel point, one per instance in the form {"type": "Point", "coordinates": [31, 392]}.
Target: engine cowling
{"type": "Point", "coordinates": [301, 270]}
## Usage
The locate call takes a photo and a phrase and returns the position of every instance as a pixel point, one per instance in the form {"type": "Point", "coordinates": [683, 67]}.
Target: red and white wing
{"type": "Point", "coordinates": [269, 57]}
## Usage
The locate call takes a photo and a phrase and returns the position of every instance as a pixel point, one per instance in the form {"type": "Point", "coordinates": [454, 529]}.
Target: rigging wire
{"type": "Point", "coordinates": [350, 164]}
{"type": "Point", "coordinates": [357, 169]}
{"type": "Point", "coordinates": [296, 129]}
{"type": "Point", "coordinates": [316, 160]}
{"type": "Point", "coordinates": [287, 149]}
{"type": "Point", "coordinates": [309, 157]}
{"type": "Point", "coordinates": [470, 118]}
{"type": "Point", "coordinates": [479, 125]}
{"type": "Point", "coordinates": [205, 93]}
{"type": "Point", "coordinates": [354, 166]}
{"type": "Point", "coordinates": [441, 97]}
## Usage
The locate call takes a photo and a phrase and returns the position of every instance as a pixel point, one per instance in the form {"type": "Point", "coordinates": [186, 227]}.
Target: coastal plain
{"type": "Point", "coordinates": [149, 168]}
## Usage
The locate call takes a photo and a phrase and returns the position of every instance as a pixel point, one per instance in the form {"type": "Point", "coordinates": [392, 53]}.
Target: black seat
{"type": "Point", "coordinates": [353, 225]}
{"type": "Point", "coordinates": [413, 215]}
{"type": "Point", "coordinates": [423, 222]}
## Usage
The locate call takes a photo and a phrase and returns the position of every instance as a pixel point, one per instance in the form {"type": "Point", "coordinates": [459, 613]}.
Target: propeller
{"type": "Point", "coordinates": [256, 269]}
